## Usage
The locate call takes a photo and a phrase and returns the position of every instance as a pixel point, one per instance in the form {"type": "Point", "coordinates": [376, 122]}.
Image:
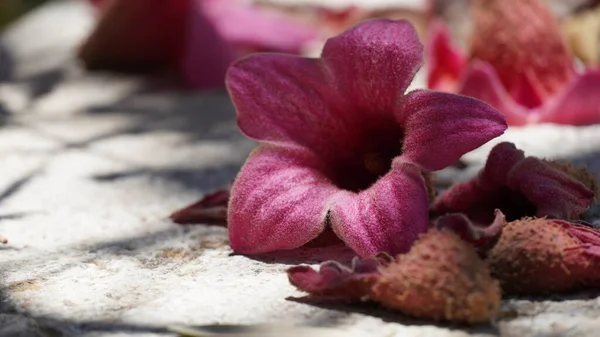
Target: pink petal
{"type": "Point", "coordinates": [207, 55]}
{"type": "Point", "coordinates": [278, 201]}
{"type": "Point", "coordinates": [374, 62]}
{"type": "Point", "coordinates": [441, 127]}
{"type": "Point", "coordinates": [578, 103]}
{"type": "Point", "coordinates": [287, 100]}
{"type": "Point", "coordinates": [481, 81]}
{"type": "Point", "coordinates": [248, 26]}
{"type": "Point", "coordinates": [386, 217]}
{"type": "Point", "coordinates": [553, 192]}
{"type": "Point", "coordinates": [470, 232]}
{"type": "Point", "coordinates": [336, 280]}
{"type": "Point", "coordinates": [444, 61]}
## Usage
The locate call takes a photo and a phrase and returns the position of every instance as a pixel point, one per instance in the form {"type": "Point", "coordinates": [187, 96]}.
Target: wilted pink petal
{"type": "Point", "coordinates": [336, 280]}
{"type": "Point", "coordinates": [445, 62]}
{"type": "Point", "coordinates": [476, 234]}
{"type": "Point", "coordinates": [211, 209]}
{"type": "Point", "coordinates": [433, 139]}
{"type": "Point", "coordinates": [343, 147]}
{"type": "Point", "coordinates": [381, 218]}
{"type": "Point", "coordinates": [519, 186]}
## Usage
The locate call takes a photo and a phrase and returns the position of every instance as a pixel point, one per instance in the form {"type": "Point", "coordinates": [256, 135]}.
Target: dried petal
{"type": "Point", "coordinates": [211, 209]}
{"type": "Point", "coordinates": [440, 278]}
{"type": "Point", "coordinates": [338, 281]}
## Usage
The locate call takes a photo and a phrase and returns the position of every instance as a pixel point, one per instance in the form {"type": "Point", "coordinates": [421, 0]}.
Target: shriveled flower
{"type": "Point", "coordinates": [520, 186]}
{"type": "Point", "coordinates": [336, 281]}
{"type": "Point", "coordinates": [520, 65]}
{"type": "Point", "coordinates": [197, 39]}
{"type": "Point", "coordinates": [539, 255]}
{"type": "Point", "coordinates": [440, 278]}
{"type": "Point", "coordinates": [342, 146]}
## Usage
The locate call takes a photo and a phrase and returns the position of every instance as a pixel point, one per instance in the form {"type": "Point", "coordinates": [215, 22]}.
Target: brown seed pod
{"type": "Point", "coordinates": [440, 278]}
{"type": "Point", "coordinates": [539, 255]}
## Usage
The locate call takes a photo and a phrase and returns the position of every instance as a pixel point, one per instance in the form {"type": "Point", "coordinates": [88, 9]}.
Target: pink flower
{"type": "Point", "coordinates": [520, 186]}
{"type": "Point", "coordinates": [197, 38]}
{"type": "Point", "coordinates": [342, 146]}
{"type": "Point", "coordinates": [519, 64]}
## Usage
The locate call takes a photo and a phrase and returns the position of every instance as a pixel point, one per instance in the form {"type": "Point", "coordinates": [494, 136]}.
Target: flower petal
{"type": "Point", "coordinates": [386, 217]}
{"type": "Point", "coordinates": [207, 55]}
{"type": "Point", "coordinates": [278, 201]}
{"type": "Point", "coordinates": [578, 103]}
{"type": "Point", "coordinates": [248, 26]}
{"type": "Point", "coordinates": [553, 192]}
{"type": "Point", "coordinates": [444, 61]}
{"type": "Point", "coordinates": [441, 127]}
{"type": "Point", "coordinates": [374, 62]}
{"type": "Point", "coordinates": [287, 100]}
{"type": "Point", "coordinates": [481, 81]}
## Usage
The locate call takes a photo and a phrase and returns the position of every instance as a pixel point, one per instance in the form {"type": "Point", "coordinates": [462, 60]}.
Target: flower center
{"type": "Point", "coordinates": [370, 159]}
{"type": "Point", "coordinates": [376, 163]}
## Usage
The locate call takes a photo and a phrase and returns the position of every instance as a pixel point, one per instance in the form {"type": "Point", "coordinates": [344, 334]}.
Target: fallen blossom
{"type": "Point", "coordinates": [520, 65]}
{"type": "Point", "coordinates": [520, 186]}
{"type": "Point", "coordinates": [539, 255]}
{"type": "Point", "coordinates": [197, 39]}
{"type": "Point", "coordinates": [342, 146]}
{"type": "Point", "coordinates": [440, 278]}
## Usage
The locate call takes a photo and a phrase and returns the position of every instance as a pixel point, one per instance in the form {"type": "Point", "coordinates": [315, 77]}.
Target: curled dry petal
{"type": "Point", "coordinates": [538, 255]}
{"type": "Point", "coordinates": [441, 278]}
{"type": "Point", "coordinates": [211, 209]}
{"type": "Point", "coordinates": [519, 186]}
{"type": "Point", "coordinates": [480, 236]}
{"type": "Point", "coordinates": [338, 281]}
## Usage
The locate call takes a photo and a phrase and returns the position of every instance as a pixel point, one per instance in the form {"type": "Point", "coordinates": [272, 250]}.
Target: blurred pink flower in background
{"type": "Point", "coordinates": [198, 39]}
{"type": "Point", "coordinates": [519, 63]}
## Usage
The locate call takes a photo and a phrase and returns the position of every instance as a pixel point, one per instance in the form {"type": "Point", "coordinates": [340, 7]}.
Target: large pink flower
{"type": "Point", "coordinates": [520, 65]}
{"type": "Point", "coordinates": [342, 146]}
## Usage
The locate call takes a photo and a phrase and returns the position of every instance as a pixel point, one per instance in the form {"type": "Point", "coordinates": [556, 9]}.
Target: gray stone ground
{"type": "Point", "coordinates": [93, 164]}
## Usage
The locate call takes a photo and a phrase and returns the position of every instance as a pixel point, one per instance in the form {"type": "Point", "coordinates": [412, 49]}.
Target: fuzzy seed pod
{"type": "Point", "coordinates": [441, 278]}
{"type": "Point", "coordinates": [537, 256]}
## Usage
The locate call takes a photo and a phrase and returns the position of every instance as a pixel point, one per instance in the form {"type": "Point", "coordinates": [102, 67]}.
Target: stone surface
{"type": "Point", "coordinates": [92, 164]}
